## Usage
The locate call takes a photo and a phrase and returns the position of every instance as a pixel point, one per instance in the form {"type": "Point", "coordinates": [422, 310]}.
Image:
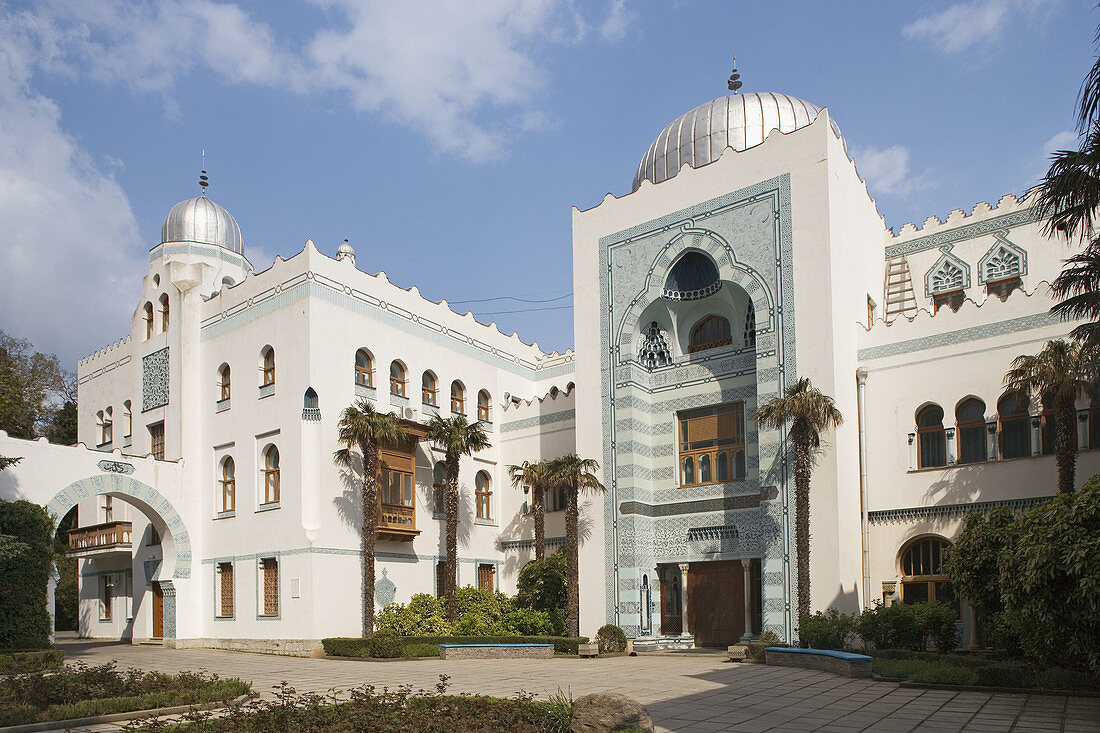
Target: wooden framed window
{"type": "Point", "coordinates": [439, 480]}
{"type": "Point", "coordinates": [156, 440]}
{"type": "Point", "coordinates": [428, 390]}
{"type": "Point", "coordinates": [108, 509]}
{"type": "Point", "coordinates": [933, 439]}
{"type": "Point", "coordinates": [225, 589]}
{"type": "Point", "coordinates": [225, 388]}
{"type": "Point", "coordinates": [397, 486]}
{"type": "Point", "coordinates": [555, 499]}
{"type": "Point", "coordinates": [267, 366]}
{"type": "Point", "coordinates": [922, 575]}
{"type": "Point", "coordinates": [271, 475]}
{"type": "Point", "coordinates": [952, 299]}
{"type": "Point", "coordinates": [712, 444]}
{"type": "Point", "coordinates": [128, 416]}
{"type": "Point", "coordinates": [486, 577]}
{"type": "Point", "coordinates": [106, 596]}
{"type": "Point", "coordinates": [148, 321]}
{"type": "Point", "coordinates": [364, 368]}
{"type": "Point", "coordinates": [228, 484]}
{"type": "Point", "coordinates": [270, 570]}
{"type": "Point", "coordinates": [970, 419]}
{"type": "Point", "coordinates": [458, 398]}
{"type": "Point", "coordinates": [164, 313]}
{"type": "Point", "coordinates": [397, 379]}
{"type": "Point", "coordinates": [483, 495]}
{"type": "Point", "coordinates": [484, 407]}
{"type": "Point", "coordinates": [1015, 428]}
{"type": "Point", "coordinates": [1003, 288]}
{"type": "Point", "coordinates": [710, 333]}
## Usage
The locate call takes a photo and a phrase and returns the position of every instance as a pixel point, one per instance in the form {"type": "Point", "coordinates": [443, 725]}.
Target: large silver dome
{"type": "Point", "coordinates": [740, 121]}
{"type": "Point", "coordinates": [202, 221]}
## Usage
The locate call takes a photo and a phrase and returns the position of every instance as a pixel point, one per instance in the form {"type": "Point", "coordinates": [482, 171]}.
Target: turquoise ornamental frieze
{"type": "Point", "coordinates": [966, 231]}
{"type": "Point", "coordinates": [650, 519]}
{"type": "Point", "coordinates": [154, 380]}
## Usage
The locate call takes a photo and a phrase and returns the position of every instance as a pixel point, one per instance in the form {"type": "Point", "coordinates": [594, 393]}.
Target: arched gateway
{"type": "Point", "coordinates": [135, 557]}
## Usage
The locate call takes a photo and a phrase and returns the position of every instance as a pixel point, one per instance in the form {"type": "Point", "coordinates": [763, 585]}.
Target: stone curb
{"type": "Point", "coordinates": [115, 717]}
{"type": "Point", "coordinates": [980, 688]}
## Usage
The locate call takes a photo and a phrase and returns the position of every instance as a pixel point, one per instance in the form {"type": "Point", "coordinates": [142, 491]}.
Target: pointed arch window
{"type": "Point", "coordinates": [429, 390]}
{"type": "Point", "coordinates": [225, 388]}
{"type": "Point", "coordinates": [267, 367]}
{"type": "Point", "coordinates": [483, 495]}
{"type": "Point", "coordinates": [164, 312]}
{"type": "Point", "coordinates": [271, 475]}
{"type": "Point", "coordinates": [933, 439]}
{"type": "Point", "coordinates": [364, 368]}
{"type": "Point", "coordinates": [128, 416]}
{"type": "Point", "coordinates": [228, 485]}
{"type": "Point", "coordinates": [458, 398]}
{"type": "Point", "coordinates": [710, 333]}
{"type": "Point", "coordinates": [148, 321]}
{"type": "Point", "coordinates": [970, 419]}
{"type": "Point", "coordinates": [1015, 430]}
{"type": "Point", "coordinates": [397, 379]}
{"type": "Point", "coordinates": [484, 407]}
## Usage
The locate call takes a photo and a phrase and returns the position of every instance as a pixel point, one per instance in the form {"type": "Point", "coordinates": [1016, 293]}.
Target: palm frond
{"type": "Point", "coordinates": [1070, 191]}
{"type": "Point", "coordinates": [802, 405]}
{"type": "Point", "coordinates": [458, 436]}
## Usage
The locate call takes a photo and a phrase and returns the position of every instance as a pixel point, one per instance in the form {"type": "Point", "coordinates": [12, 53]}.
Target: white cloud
{"type": "Point", "coordinates": [465, 75]}
{"type": "Point", "coordinates": [886, 170]}
{"type": "Point", "coordinates": [71, 252]}
{"type": "Point", "coordinates": [1064, 140]}
{"type": "Point", "coordinates": [967, 24]}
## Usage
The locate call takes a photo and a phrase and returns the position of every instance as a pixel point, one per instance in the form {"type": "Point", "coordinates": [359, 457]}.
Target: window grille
{"type": "Point", "coordinates": [750, 326]}
{"type": "Point", "coordinates": [710, 333]}
{"type": "Point", "coordinates": [271, 586]}
{"type": "Point", "coordinates": [654, 350]}
{"type": "Point", "coordinates": [486, 577]}
{"type": "Point", "coordinates": [225, 576]}
{"type": "Point", "coordinates": [156, 440]}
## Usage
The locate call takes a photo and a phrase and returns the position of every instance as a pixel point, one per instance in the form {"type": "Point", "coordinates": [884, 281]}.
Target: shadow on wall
{"type": "Point", "coordinates": [465, 520]}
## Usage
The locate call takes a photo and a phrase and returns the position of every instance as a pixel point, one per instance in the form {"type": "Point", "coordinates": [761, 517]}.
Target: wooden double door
{"type": "Point", "coordinates": [716, 602]}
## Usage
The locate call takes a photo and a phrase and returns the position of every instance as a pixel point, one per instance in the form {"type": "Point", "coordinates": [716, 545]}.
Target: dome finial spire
{"type": "Point", "coordinates": [735, 78]}
{"type": "Point", "coordinates": [204, 181]}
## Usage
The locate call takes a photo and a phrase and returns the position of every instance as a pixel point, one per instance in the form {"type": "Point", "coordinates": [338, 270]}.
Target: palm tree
{"type": "Point", "coordinates": [809, 412]}
{"type": "Point", "coordinates": [1068, 199]}
{"type": "Point", "coordinates": [457, 437]}
{"type": "Point", "coordinates": [575, 475]}
{"type": "Point", "coordinates": [1063, 370]}
{"type": "Point", "coordinates": [536, 476]}
{"type": "Point", "coordinates": [363, 428]}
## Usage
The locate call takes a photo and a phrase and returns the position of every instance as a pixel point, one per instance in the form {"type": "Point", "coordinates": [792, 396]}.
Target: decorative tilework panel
{"type": "Point", "coordinates": [154, 380]}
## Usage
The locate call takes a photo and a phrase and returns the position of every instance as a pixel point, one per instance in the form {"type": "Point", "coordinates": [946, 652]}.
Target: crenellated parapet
{"type": "Point", "coordinates": [111, 351]}
{"type": "Point", "coordinates": [1023, 207]}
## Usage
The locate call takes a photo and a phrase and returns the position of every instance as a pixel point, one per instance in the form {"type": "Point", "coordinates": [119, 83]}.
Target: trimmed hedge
{"type": "Point", "coordinates": [964, 669]}
{"type": "Point", "coordinates": [33, 661]}
{"type": "Point", "coordinates": [27, 532]}
{"type": "Point", "coordinates": [352, 647]}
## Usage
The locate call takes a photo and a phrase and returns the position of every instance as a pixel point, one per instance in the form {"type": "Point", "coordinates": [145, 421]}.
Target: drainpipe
{"type": "Point", "coordinates": [861, 401]}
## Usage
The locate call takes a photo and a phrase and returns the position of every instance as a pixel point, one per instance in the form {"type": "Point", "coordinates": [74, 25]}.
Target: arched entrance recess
{"type": "Point", "coordinates": [175, 539]}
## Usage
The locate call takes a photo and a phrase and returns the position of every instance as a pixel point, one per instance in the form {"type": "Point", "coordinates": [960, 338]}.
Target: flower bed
{"type": "Point", "coordinates": [385, 711]}
{"type": "Point", "coordinates": [80, 691]}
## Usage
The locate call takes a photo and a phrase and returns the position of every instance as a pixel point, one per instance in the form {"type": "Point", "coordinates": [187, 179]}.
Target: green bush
{"type": "Point", "coordinates": [830, 630]}
{"type": "Point", "coordinates": [26, 554]}
{"type": "Point", "coordinates": [424, 614]}
{"type": "Point", "coordinates": [909, 626]}
{"type": "Point", "coordinates": [32, 661]}
{"type": "Point", "coordinates": [349, 647]}
{"type": "Point", "coordinates": [480, 613]}
{"type": "Point", "coordinates": [611, 639]}
{"type": "Point", "coordinates": [525, 622]}
{"type": "Point", "coordinates": [385, 644]}
{"type": "Point", "coordinates": [541, 584]}
{"type": "Point", "coordinates": [420, 650]}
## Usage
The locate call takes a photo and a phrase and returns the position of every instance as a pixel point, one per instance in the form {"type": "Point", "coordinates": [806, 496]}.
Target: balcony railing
{"type": "Point", "coordinates": [397, 522]}
{"type": "Point", "coordinates": [100, 538]}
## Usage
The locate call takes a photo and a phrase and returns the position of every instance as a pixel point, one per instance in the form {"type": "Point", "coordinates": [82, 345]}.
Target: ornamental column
{"type": "Point", "coordinates": [746, 566]}
{"type": "Point", "coordinates": [684, 599]}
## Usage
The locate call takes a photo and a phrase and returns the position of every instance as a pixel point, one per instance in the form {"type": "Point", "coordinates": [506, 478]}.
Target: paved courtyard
{"type": "Point", "coordinates": [691, 692]}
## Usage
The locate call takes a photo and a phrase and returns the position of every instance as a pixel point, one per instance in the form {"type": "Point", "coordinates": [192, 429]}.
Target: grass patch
{"type": "Point", "coordinates": [963, 669]}
{"type": "Point", "coordinates": [380, 711]}
{"type": "Point", "coordinates": [80, 691]}
{"type": "Point", "coordinates": [31, 661]}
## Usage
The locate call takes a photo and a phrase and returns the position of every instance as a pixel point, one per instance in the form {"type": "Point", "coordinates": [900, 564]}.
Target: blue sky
{"type": "Point", "coordinates": [449, 140]}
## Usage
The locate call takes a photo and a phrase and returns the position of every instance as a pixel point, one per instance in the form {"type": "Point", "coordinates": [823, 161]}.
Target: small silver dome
{"type": "Point", "coordinates": [344, 250]}
{"type": "Point", "coordinates": [202, 221]}
{"type": "Point", "coordinates": [740, 121]}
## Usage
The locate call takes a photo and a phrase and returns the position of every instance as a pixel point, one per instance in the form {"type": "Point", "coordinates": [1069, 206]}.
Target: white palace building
{"type": "Point", "coordinates": [748, 254]}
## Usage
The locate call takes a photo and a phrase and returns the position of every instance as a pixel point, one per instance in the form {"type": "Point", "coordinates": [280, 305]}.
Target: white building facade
{"type": "Point", "coordinates": [749, 254]}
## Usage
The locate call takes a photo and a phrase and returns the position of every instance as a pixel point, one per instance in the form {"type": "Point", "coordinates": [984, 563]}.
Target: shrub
{"type": "Point", "coordinates": [611, 639]}
{"type": "Point", "coordinates": [525, 622]}
{"type": "Point", "coordinates": [909, 626]}
{"type": "Point", "coordinates": [420, 650]}
{"type": "Point", "coordinates": [829, 630]}
{"type": "Point", "coordinates": [541, 584]}
{"type": "Point", "coordinates": [33, 661]}
{"type": "Point", "coordinates": [938, 620]}
{"type": "Point", "coordinates": [385, 644]}
{"type": "Point", "coordinates": [348, 647]}
{"type": "Point", "coordinates": [424, 614]}
{"type": "Point", "coordinates": [26, 554]}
